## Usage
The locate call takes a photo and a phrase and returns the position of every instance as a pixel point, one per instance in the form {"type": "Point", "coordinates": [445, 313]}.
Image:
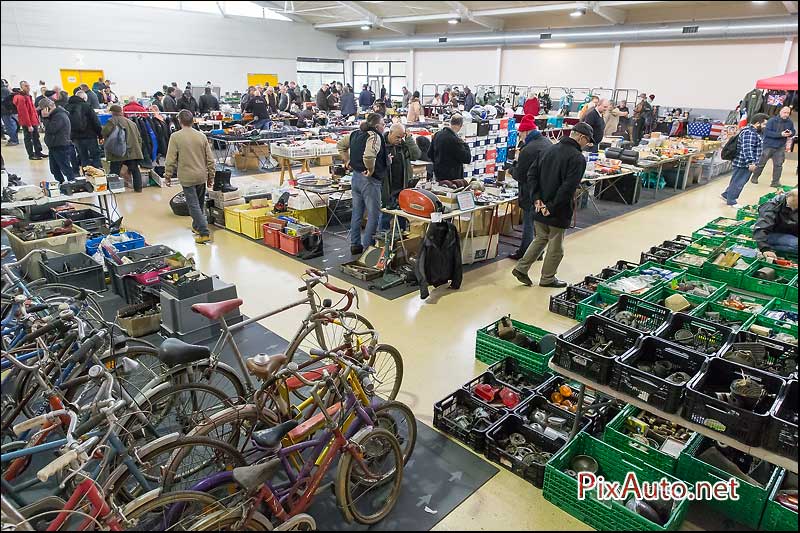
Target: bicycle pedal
{"type": "Point", "coordinates": [323, 488]}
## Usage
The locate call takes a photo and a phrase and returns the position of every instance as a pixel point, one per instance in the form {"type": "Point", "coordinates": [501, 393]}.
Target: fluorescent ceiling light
{"type": "Point", "coordinates": [553, 45]}
{"type": "Point", "coordinates": [759, 2]}
{"type": "Point", "coordinates": [579, 12]}
{"type": "Point", "coordinates": [366, 27]}
{"type": "Point", "coordinates": [453, 21]}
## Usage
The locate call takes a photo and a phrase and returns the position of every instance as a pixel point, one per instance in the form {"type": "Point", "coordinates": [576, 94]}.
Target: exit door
{"type": "Point", "coordinates": [376, 82]}
{"type": "Point", "coordinates": [72, 78]}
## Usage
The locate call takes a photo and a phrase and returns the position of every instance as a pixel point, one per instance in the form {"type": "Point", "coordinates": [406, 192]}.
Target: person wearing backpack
{"type": "Point", "coordinates": [86, 129]}
{"type": "Point", "coordinates": [749, 146]}
{"type": "Point", "coordinates": [9, 112]}
{"type": "Point", "coordinates": [123, 145]}
{"type": "Point", "coordinates": [57, 138]}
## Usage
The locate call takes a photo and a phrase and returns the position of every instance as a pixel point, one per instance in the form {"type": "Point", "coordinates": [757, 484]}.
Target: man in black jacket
{"type": "Point", "coordinates": [257, 105]}
{"type": "Point", "coordinates": [169, 102]}
{"type": "Point", "coordinates": [57, 131]}
{"type": "Point", "coordinates": [187, 101]}
{"type": "Point", "coordinates": [322, 98]}
{"type": "Point", "coordinates": [594, 118]}
{"type": "Point", "coordinates": [553, 179]}
{"type": "Point", "coordinates": [537, 143]}
{"type": "Point", "coordinates": [776, 227]}
{"type": "Point", "coordinates": [85, 130]}
{"type": "Point", "coordinates": [208, 102]}
{"type": "Point", "coordinates": [448, 152]}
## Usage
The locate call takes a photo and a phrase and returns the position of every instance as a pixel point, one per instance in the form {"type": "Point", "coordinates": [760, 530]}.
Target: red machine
{"type": "Point", "coordinates": [419, 202]}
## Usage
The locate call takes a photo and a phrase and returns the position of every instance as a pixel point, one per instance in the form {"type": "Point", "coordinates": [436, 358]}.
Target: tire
{"type": "Point", "coordinates": [327, 337]}
{"type": "Point", "coordinates": [149, 516]}
{"type": "Point", "coordinates": [166, 414]}
{"type": "Point", "coordinates": [217, 376]}
{"type": "Point", "coordinates": [232, 522]}
{"type": "Point", "coordinates": [399, 420]}
{"type": "Point", "coordinates": [388, 365]}
{"type": "Point", "coordinates": [160, 466]}
{"type": "Point", "coordinates": [378, 445]}
{"type": "Point", "coordinates": [235, 426]}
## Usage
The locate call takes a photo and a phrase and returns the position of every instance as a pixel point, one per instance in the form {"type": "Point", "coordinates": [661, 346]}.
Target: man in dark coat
{"type": "Point", "coordinates": [365, 98]}
{"type": "Point", "coordinates": [169, 102]}
{"type": "Point", "coordinates": [208, 102]}
{"type": "Point", "coordinates": [85, 130]}
{"type": "Point", "coordinates": [187, 101]}
{"type": "Point", "coordinates": [536, 143]}
{"type": "Point", "coordinates": [322, 98]}
{"type": "Point", "coordinates": [448, 152]}
{"type": "Point", "coordinates": [553, 179]}
{"type": "Point", "coordinates": [594, 118]}
{"type": "Point", "coordinates": [57, 132]}
{"type": "Point", "coordinates": [348, 103]}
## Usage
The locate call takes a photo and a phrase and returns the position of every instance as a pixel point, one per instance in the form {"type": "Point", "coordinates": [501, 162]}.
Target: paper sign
{"type": "Point", "coordinates": [436, 217]}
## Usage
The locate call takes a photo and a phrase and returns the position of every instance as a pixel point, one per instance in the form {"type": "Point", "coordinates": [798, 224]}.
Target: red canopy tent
{"type": "Point", "coordinates": [784, 82]}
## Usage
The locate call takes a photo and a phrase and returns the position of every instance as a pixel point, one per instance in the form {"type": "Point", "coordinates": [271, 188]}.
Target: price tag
{"type": "Point", "coordinates": [436, 217]}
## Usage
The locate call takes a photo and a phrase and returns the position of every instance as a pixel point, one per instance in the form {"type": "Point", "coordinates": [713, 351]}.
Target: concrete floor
{"type": "Point", "coordinates": [437, 336]}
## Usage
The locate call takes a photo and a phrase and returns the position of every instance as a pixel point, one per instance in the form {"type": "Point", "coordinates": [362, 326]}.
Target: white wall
{"type": "Point", "coordinates": [142, 48]}
{"type": "Point", "coordinates": [566, 67]}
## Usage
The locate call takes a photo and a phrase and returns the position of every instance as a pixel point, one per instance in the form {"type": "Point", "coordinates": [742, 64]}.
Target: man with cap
{"type": "Point", "coordinates": [641, 117]}
{"type": "Point", "coordinates": [553, 179]}
{"type": "Point", "coordinates": [530, 149]}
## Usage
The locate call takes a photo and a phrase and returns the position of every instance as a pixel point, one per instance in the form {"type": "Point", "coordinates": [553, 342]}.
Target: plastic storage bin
{"type": "Point", "coordinates": [185, 290]}
{"type": "Point", "coordinates": [561, 490]}
{"type": "Point", "coordinates": [92, 221]}
{"type": "Point", "coordinates": [135, 241]}
{"type": "Point", "coordinates": [72, 243]}
{"type": "Point", "coordinates": [645, 316]}
{"type": "Point", "coordinates": [232, 217]}
{"type": "Point", "coordinates": [78, 270]}
{"type": "Point", "coordinates": [776, 517]}
{"type": "Point", "coordinates": [252, 221]}
{"type": "Point", "coordinates": [290, 245]}
{"type": "Point", "coordinates": [566, 303]}
{"type": "Point", "coordinates": [782, 426]}
{"type": "Point", "coordinates": [703, 407]}
{"type": "Point", "coordinates": [489, 348]}
{"type": "Point", "coordinates": [719, 314]}
{"type": "Point", "coordinates": [272, 236]}
{"type": "Point", "coordinates": [445, 415]}
{"type": "Point", "coordinates": [146, 258]}
{"type": "Point", "coordinates": [596, 303]}
{"type": "Point", "coordinates": [708, 338]}
{"type": "Point", "coordinates": [511, 372]}
{"type": "Point", "coordinates": [776, 288]}
{"type": "Point", "coordinates": [489, 378]}
{"type": "Point", "coordinates": [779, 305]}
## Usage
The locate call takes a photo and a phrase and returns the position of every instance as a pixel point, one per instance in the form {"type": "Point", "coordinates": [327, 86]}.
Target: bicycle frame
{"type": "Point", "coordinates": [99, 508]}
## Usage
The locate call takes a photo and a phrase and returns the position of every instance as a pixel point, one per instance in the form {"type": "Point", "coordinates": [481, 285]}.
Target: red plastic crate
{"type": "Point", "coordinates": [289, 244]}
{"type": "Point", "coordinates": [272, 236]}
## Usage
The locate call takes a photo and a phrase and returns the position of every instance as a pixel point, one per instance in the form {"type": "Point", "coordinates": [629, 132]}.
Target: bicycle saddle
{"type": "Point", "coordinates": [264, 366]}
{"type": "Point", "coordinates": [174, 352]}
{"type": "Point", "coordinates": [272, 437]}
{"type": "Point", "coordinates": [214, 310]}
{"type": "Point", "coordinates": [252, 477]}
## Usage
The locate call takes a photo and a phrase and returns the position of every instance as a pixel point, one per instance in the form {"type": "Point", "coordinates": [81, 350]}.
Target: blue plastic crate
{"type": "Point", "coordinates": [103, 118]}
{"type": "Point", "coordinates": [136, 241]}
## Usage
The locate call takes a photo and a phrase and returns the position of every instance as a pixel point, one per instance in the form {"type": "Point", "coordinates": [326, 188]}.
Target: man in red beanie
{"type": "Point", "coordinates": [526, 125]}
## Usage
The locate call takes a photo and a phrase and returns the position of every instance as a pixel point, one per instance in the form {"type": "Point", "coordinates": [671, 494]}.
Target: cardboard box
{"type": "Point", "coordinates": [478, 249]}
{"type": "Point", "coordinates": [249, 162]}
{"type": "Point", "coordinates": [325, 161]}
{"type": "Point", "coordinates": [258, 150]}
{"type": "Point", "coordinates": [228, 203]}
{"type": "Point", "coordinates": [221, 197]}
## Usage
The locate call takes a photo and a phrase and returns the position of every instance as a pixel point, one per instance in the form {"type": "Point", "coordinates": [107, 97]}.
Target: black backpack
{"type": "Point", "coordinates": [8, 105]}
{"type": "Point", "coordinates": [77, 117]}
{"type": "Point", "coordinates": [730, 149]}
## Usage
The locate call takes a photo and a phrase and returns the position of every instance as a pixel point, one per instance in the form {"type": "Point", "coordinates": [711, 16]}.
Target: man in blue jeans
{"type": "Point", "coordinates": [778, 129]}
{"type": "Point", "coordinates": [748, 153]}
{"type": "Point", "coordinates": [364, 151]}
{"type": "Point", "coordinates": [776, 227]}
{"type": "Point", "coordinates": [57, 130]}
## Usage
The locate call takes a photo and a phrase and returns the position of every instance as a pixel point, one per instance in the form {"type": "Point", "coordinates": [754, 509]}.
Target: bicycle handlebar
{"type": "Point", "coordinates": [89, 345]}
{"type": "Point", "coordinates": [47, 328]}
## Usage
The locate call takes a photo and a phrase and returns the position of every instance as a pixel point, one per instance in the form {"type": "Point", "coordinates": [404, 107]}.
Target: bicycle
{"type": "Point", "coordinates": [360, 455]}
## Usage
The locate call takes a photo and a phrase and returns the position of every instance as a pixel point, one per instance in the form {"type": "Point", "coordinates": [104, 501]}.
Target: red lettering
{"type": "Point", "coordinates": [679, 490]}
{"type": "Point", "coordinates": [631, 486]}
{"type": "Point", "coordinates": [650, 491]}
{"type": "Point", "coordinates": [721, 491]}
{"type": "Point", "coordinates": [586, 481]}
{"type": "Point", "coordinates": [734, 490]}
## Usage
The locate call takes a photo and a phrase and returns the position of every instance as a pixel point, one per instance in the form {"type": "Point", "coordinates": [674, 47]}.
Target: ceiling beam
{"type": "Point", "coordinates": [611, 14]}
{"type": "Point", "coordinates": [791, 7]}
{"type": "Point", "coordinates": [375, 20]}
{"type": "Point", "coordinates": [465, 13]}
{"type": "Point", "coordinates": [281, 9]}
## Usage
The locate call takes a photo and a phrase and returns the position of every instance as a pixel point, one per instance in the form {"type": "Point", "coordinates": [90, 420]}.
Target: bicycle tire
{"type": "Point", "coordinates": [117, 488]}
{"type": "Point", "coordinates": [188, 497]}
{"type": "Point", "coordinates": [242, 419]}
{"type": "Point", "coordinates": [296, 347]}
{"type": "Point", "coordinates": [162, 403]}
{"type": "Point", "coordinates": [232, 522]}
{"type": "Point", "coordinates": [219, 377]}
{"type": "Point", "coordinates": [384, 420]}
{"type": "Point", "coordinates": [346, 471]}
{"type": "Point", "coordinates": [383, 371]}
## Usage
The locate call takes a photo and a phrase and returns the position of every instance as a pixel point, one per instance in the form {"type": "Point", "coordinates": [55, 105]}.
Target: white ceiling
{"type": "Point", "coordinates": [346, 18]}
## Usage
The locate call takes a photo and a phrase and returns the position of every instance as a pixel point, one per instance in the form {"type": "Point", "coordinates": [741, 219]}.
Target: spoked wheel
{"type": "Point", "coordinates": [233, 521]}
{"type": "Point", "coordinates": [398, 419]}
{"type": "Point", "coordinates": [367, 494]}
{"type": "Point", "coordinates": [333, 335]}
{"type": "Point", "coordinates": [388, 365]}
{"type": "Point", "coordinates": [236, 425]}
{"type": "Point", "coordinates": [174, 511]}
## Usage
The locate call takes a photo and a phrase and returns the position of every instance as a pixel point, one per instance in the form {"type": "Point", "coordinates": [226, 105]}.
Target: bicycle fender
{"type": "Point", "coordinates": [121, 469]}
{"type": "Point", "coordinates": [145, 498]}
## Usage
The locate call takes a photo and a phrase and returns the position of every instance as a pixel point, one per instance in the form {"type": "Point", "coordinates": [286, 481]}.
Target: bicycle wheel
{"type": "Point", "coordinates": [236, 425]}
{"type": "Point", "coordinates": [175, 511]}
{"type": "Point", "coordinates": [398, 419]}
{"type": "Point", "coordinates": [330, 336]}
{"type": "Point", "coordinates": [175, 465]}
{"type": "Point", "coordinates": [178, 408]}
{"type": "Point", "coordinates": [232, 521]}
{"type": "Point", "coordinates": [368, 496]}
{"type": "Point", "coordinates": [388, 365]}
{"type": "Point", "coordinates": [215, 375]}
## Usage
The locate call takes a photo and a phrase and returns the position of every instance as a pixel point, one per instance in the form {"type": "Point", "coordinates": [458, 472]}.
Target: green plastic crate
{"type": "Point", "coordinates": [791, 290]}
{"type": "Point", "coordinates": [615, 435]}
{"type": "Point", "coordinates": [606, 289]}
{"type": "Point", "coordinates": [490, 349]}
{"type": "Point", "coordinates": [776, 517]}
{"type": "Point", "coordinates": [591, 304]}
{"type": "Point", "coordinates": [770, 195]}
{"type": "Point", "coordinates": [762, 286]}
{"type": "Point", "coordinates": [752, 498]}
{"type": "Point", "coordinates": [745, 297]}
{"type": "Point", "coordinates": [653, 264]}
{"type": "Point", "coordinates": [675, 262]}
{"type": "Point", "coordinates": [725, 223]}
{"type": "Point", "coordinates": [562, 490]}
{"type": "Point", "coordinates": [688, 277]}
{"type": "Point", "coordinates": [747, 212]}
{"type": "Point", "coordinates": [731, 276]}
{"type": "Point", "coordinates": [725, 313]}
{"type": "Point", "coordinates": [710, 232]}
{"type": "Point", "coordinates": [777, 326]}
{"type": "Point", "coordinates": [665, 292]}
{"type": "Point", "coordinates": [700, 246]}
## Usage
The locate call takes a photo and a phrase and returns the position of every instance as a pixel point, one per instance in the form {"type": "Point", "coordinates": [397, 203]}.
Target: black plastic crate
{"type": "Point", "coordinates": [656, 254]}
{"type": "Point", "coordinates": [624, 265]}
{"type": "Point", "coordinates": [702, 406]}
{"type": "Point", "coordinates": [490, 379]}
{"type": "Point", "coordinates": [782, 426]}
{"type": "Point", "coordinates": [607, 273]}
{"type": "Point", "coordinates": [531, 471]}
{"type": "Point", "coordinates": [571, 355]}
{"type": "Point", "coordinates": [676, 246]}
{"type": "Point", "coordinates": [511, 372]}
{"type": "Point", "coordinates": [708, 338]}
{"type": "Point", "coordinates": [684, 239]}
{"type": "Point", "coordinates": [590, 396]}
{"type": "Point", "coordinates": [635, 373]}
{"type": "Point", "coordinates": [182, 291]}
{"type": "Point", "coordinates": [589, 284]}
{"type": "Point", "coordinates": [566, 303]}
{"type": "Point", "coordinates": [92, 221]}
{"type": "Point", "coordinates": [78, 270]}
{"type": "Point", "coordinates": [645, 316]}
{"type": "Point", "coordinates": [446, 413]}
{"type": "Point", "coordinates": [538, 402]}
{"type": "Point", "coordinates": [149, 257]}
{"type": "Point", "coordinates": [773, 356]}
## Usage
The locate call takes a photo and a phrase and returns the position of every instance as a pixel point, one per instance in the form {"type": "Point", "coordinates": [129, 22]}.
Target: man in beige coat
{"type": "Point", "coordinates": [612, 117]}
{"type": "Point", "coordinates": [189, 157]}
